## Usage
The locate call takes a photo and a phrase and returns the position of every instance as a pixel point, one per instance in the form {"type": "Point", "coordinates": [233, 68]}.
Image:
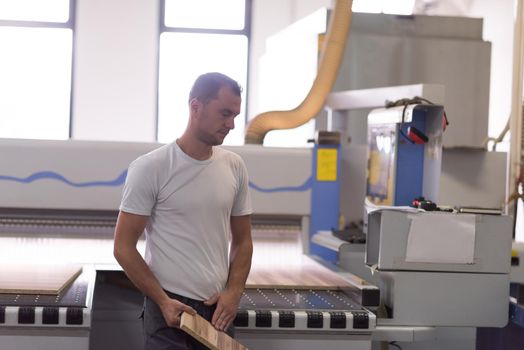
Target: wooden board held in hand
{"type": "Point", "coordinates": [37, 278]}
{"type": "Point", "coordinates": [203, 331]}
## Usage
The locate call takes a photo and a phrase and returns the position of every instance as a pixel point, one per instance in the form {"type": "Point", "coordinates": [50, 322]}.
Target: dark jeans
{"type": "Point", "coordinates": [159, 336]}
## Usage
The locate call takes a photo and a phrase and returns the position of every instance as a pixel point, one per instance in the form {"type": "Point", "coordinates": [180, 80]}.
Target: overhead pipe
{"type": "Point", "coordinates": [331, 57]}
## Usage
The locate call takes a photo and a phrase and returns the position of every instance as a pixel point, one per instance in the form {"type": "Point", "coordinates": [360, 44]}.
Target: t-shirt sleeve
{"type": "Point", "coordinates": [242, 205]}
{"type": "Point", "coordinates": [139, 194]}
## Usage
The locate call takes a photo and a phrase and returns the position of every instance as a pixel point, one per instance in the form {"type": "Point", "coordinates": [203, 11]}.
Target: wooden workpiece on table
{"type": "Point", "coordinates": [304, 274]}
{"type": "Point", "coordinates": [37, 278]}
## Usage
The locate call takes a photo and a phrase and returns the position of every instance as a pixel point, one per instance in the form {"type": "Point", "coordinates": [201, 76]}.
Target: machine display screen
{"type": "Point", "coordinates": [381, 162]}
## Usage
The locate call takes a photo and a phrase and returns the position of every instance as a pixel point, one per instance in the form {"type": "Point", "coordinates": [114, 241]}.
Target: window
{"type": "Point", "coordinates": [36, 37]}
{"type": "Point", "coordinates": [397, 7]}
{"type": "Point", "coordinates": [199, 36]}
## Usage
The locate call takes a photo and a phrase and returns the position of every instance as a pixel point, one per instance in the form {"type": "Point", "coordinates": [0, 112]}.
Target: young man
{"type": "Point", "coordinates": [189, 197]}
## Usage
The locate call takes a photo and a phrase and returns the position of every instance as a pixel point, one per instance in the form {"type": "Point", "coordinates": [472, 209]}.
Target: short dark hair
{"type": "Point", "coordinates": [206, 86]}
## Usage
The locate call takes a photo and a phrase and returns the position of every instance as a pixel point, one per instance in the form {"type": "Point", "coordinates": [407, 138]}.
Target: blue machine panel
{"type": "Point", "coordinates": [325, 207]}
{"type": "Point", "coordinates": [396, 164]}
{"type": "Point", "coordinates": [410, 163]}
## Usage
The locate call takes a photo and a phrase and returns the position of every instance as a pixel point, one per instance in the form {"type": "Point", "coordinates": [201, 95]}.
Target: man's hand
{"type": "Point", "coordinates": [172, 310]}
{"type": "Point", "coordinates": [227, 307]}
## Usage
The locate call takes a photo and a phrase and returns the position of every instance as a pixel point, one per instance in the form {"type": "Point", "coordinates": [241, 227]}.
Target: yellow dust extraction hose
{"type": "Point", "coordinates": [332, 53]}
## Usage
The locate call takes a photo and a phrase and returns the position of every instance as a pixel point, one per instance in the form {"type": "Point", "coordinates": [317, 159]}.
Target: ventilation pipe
{"type": "Point", "coordinates": [331, 56]}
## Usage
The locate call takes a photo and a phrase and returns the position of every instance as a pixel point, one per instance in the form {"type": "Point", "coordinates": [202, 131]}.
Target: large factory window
{"type": "Point", "coordinates": [36, 37]}
{"type": "Point", "coordinates": [397, 7]}
{"type": "Point", "coordinates": [197, 37]}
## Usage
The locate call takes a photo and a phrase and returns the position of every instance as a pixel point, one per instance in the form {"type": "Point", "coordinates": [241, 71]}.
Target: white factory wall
{"type": "Point", "coordinates": [115, 70]}
{"type": "Point", "coordinates": [498, 29]}
{"type": "Point", "coordinates": [282, 14]}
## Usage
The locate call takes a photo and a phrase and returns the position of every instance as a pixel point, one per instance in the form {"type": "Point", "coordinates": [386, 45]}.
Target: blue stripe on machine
{"type": "Point", "coordinates": [301, 188]}
{"type": "Point", "coordinates": [41, 175]}
{"type": "Point", "coordinates": [120, 180]}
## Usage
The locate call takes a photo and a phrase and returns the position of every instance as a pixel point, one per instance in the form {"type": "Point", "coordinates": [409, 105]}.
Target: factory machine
{"type": "Point", "coordinates": [58, 207]}
{"type": "Point", "coordinates": [422, 276]}
{"type": "Point", "coordinates": [441, 271]}
{"type": "Point", "coordinates": [426, 259]}
{"type": "Point", "coordinates": [429, 276]}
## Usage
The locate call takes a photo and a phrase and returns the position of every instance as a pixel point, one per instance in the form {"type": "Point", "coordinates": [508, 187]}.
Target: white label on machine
{"type": "Point", "coordinates": [441, 238]}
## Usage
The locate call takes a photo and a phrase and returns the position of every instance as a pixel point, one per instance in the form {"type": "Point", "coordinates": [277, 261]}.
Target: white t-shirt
{"type": "Point", "coordinates": [189, 203]}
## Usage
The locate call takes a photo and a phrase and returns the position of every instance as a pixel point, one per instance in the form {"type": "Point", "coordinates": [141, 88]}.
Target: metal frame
{"type": "Point", "coordinates": [246, 31]}
{"type": "Point", "coordinates": [516, 155]}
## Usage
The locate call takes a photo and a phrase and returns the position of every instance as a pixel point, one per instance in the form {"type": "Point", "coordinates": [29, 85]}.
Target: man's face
{"type": "Point", "coordinates": [216, 117]}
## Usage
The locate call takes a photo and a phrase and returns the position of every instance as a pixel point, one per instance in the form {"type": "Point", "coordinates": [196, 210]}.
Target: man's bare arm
{"type": "Point", "coordinates": [240, 254]}
{"type": "Point", "coordinates": [129, 228]}
{"type": "Point", "coordinates": [240, 264]}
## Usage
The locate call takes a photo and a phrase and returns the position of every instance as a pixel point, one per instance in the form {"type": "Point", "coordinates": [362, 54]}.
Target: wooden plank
{"type": "Point", "coordinates": [37, 278]}
{"type": "Point", "coordinates": [203, 331]}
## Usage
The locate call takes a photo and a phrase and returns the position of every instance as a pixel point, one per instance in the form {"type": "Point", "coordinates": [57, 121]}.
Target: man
{"type": "Point", "coordinates": [189, 197]}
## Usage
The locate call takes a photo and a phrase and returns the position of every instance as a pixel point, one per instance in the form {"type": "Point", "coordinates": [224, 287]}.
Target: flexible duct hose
{"type": "Point", "coordinates": [332, 53]}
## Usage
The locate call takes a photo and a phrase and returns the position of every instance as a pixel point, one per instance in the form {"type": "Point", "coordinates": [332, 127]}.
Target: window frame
{"type": "Point", "coordinates": [246, 31]}
{"type": "Point", "coordinates": [69, 24]}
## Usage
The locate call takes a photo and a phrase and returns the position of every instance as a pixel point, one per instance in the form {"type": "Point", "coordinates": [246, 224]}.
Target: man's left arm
{"type": "Point", "coordinates": [239, 265]}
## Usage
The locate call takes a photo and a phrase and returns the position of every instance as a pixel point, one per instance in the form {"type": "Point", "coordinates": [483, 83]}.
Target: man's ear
{"type": "Point", "coordinates": [194, 106]}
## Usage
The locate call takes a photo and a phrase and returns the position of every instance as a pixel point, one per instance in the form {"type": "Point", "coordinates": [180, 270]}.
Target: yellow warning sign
{"type": "Point", "coordinates": [326, 164]}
